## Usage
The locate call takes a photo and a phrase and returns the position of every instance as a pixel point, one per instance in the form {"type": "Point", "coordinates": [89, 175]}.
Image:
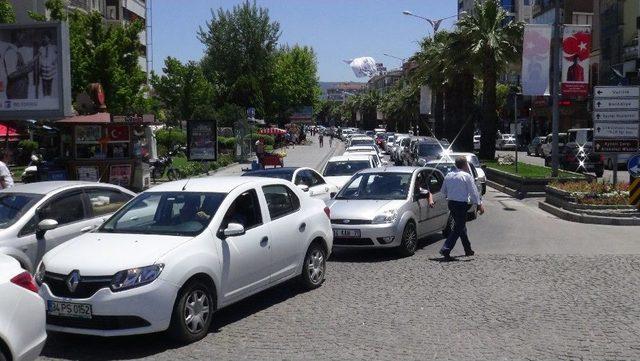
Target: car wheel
{"type": "Point", "coordinates": [314, 267]}
{"type": "Point", "coordinates": [449, 227]}
{"type": "Point", "coordinates": [192, 313]}
{"type": "Point", "coordinates": [409, 240]}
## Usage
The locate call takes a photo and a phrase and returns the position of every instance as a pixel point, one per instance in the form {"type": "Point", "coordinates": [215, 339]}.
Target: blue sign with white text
{"type": "Point", "coordinates": [633, 165]}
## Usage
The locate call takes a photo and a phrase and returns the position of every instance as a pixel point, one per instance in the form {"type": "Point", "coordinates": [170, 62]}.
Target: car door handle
{"type": "Point", "coordinates": [264, 241]}
{"type": "Point", "coordinates": [302, 227]}
{"type": "Point", "coordinates": [87, 229]}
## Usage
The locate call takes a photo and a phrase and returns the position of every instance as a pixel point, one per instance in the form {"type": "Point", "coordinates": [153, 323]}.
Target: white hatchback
{"type": "Point", "coordinates": [182, 250]}
{"type": "Point", "coordinates": [22, 322]}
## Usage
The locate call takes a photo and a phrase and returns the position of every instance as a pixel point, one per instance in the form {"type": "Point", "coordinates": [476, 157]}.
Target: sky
{"type": "Point", "coordinates": [336, 29]}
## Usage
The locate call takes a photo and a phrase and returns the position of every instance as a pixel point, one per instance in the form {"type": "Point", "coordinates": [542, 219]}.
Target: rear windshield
{"type": "Point", "coordinates": [429, 150]}
{"type": "Point", "coordinates": [361, 141]}
{"type": "Point", "coordinates": [344, 168]}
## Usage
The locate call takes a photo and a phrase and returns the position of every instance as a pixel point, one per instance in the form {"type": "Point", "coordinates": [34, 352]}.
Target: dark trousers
{"type": "Point", "coordinates": [459, 214]}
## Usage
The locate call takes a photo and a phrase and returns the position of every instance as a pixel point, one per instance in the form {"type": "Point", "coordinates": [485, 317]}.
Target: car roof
{"type": "Point", "coordinates": [50, 186]}
{"type": "Point", "coordinates": [216, 184]}
{"type": "Point", "coordinates": [390, 170]}
{"type": "Point", "coordinates": [362, 146]}
{"type": "Point", "coordinates": [343, 158]}
{"type": "Point", "coordinates": [271, 170]}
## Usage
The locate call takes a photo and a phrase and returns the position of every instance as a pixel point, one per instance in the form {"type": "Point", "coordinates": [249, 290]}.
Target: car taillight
{"type": "Point", "coordinates": [25, 280]}
{"type": "Point", "coordinates": [327, 211]}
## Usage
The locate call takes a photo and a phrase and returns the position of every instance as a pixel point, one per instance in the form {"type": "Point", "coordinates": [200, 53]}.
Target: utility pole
{"type": "Point", "coordinates": [555, 122]}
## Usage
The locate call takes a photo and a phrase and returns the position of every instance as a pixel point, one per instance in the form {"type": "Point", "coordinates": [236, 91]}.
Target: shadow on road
{"type": "Point", "coordinates": [377, 255]}
{"type": "Point", "coordinates": [80, 347]}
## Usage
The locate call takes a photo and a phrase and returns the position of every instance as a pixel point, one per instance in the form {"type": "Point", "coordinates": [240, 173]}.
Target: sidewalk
{"type": "Point", "coordinates": [301, 156]}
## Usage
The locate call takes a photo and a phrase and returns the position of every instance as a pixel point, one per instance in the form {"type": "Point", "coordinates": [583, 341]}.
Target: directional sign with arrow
{"type": "Point", "coordinates": [616, 91]}
{"type": "Point", "coordinates": [617, 116]}
{"type": "Point", "coordinates": [606, 103]}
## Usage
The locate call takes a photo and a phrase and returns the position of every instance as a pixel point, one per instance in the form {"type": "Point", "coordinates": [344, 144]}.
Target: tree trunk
{"type": "Point", "coordinates": [450, 105]}
{"type": "Point", "coordinates": [464, 113]}
{"type": "Point", "coordinates": [438, 114]}
{"type": "Point", "coordinates": [489, 118]}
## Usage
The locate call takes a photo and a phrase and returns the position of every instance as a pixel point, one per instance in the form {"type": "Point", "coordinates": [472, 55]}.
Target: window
{"type": "Point", "coordinates": [245, 210]}
{"type": "Point", "coordinates": [377, 186]}
{"type": "Point", "coordinates": [14, 205]}
{"type": "Point", "coordinates": [435, 182]}
{"type": "Point", "coordinates": [316, 179]}
{"type": "Point", "coordinates": [66, 209]}
{"type": "Point", "coordinates": [280, 200]}
{"type": "Point", "coordinates": [106, 201]}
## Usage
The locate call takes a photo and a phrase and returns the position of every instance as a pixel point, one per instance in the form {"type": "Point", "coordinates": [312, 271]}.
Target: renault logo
{"type": "Point", "coordinates": [73, 280]}
{"type": "Point", "coordinates": [346, 221]}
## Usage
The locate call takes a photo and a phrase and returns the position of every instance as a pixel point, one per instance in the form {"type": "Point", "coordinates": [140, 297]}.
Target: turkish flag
{"type": "Point", "coordinates": [118, 133]}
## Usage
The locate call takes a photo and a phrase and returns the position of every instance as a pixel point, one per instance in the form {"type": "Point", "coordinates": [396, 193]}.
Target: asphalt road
{"type": "Point", "coordinates": [538, 288]}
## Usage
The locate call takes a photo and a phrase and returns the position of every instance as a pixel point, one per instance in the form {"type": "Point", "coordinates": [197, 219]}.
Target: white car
{"type": "Point", "coordinates": [361, 140]}
{"type": "Point", "coordinates": [473, 159]}
{"type": "Point", "coordinates": [506, 141]}
{"type": "Point", "coordinates": [22, 316]}
{"type": "Point", "coordinates": [339, 169]}
{"type": "Point", "coordinates": [182, 250]}
{"type": "Point", "coordinates": [305, 178]}
{"type": "Point", "coordinates": [36, 217]}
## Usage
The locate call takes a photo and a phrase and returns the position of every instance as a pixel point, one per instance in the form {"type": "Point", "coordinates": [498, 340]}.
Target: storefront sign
{"type": "Point", "coordinates": [576, 49]}
{"type": "Point", "coordinates": [615, 145]}
{"type": "Point", "coordinates": [87, 173]}
{"type": "Point", "coordinates": [535, 59]}
{"type": "Point", "coordinates": [120, 174]}
{"type": "Point", "coordinates": [36, 80]}
{"type": "Point", "coordinates": [202, 140]}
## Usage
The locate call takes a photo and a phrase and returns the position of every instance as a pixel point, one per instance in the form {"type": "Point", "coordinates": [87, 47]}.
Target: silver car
{"type": "Point", "coordinates": [388, 208]}
{"type": "Point", "coordinates": [36, 217]}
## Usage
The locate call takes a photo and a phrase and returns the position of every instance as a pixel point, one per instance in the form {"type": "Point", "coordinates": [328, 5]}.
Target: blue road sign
{"type": "Point", "coordinates": [251, 112]}
{"type": "Point", "coordinates": [633, 165]}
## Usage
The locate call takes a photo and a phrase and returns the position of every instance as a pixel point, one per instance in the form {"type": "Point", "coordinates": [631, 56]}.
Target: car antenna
{"type": "Point", "coordinates": [184, 187]}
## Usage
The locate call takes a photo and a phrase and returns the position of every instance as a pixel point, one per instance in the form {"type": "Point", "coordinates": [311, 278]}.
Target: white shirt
{"type": "Point", "coordinates": [459, 186]}
{"type": "Point", "coordinates": [6, 175]}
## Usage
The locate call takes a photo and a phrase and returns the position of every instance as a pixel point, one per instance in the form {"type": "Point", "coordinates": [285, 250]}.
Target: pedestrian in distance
{"type": "Point", "coordinates": [320, 139]}
{"type": "Point", "coordinates": [330, 140]}
{"type": "Point", "coordinates": [6, 180]}
{"type": "Point", "coordinates": [459, 186]}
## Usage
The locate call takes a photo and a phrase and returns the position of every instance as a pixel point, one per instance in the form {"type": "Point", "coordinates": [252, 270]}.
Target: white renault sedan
{"type": "Point", "coordinates": [182, 250]}
{"type": "Point", "coordinates": [22, 324]}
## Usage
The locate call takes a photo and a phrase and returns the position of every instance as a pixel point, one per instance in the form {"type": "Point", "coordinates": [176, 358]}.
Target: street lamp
{"type": "Point", "coordinates": [435, 23]}
{"type": "Point", "coordinates": [395, 57]}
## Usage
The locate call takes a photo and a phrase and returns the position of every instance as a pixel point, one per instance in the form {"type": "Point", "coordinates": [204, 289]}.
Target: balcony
{"type": "Point", "coordinates": [137, 7]}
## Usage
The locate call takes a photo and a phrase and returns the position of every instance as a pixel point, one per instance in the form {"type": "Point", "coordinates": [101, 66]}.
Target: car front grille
{"type": "Point", "coordinates": [351, 221]}
{"type": "Point", "coordinates": [86, 288]}
{"type": "Point", "coordinates": [99, 322]}
{"type": "Point", "coordinates": [352, 241]}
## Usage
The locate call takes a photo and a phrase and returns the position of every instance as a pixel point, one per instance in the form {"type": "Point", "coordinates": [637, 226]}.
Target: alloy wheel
{"type": "Point", "coordinates": [411, 238]}
{"type": "Point", "coordinates": [316, 266]}
{"type": "Point", "coordinates": [196, 311]}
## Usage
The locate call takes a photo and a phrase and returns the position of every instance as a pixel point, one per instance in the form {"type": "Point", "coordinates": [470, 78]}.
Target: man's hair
{"type": "Point", "coordinates": [461, 161]}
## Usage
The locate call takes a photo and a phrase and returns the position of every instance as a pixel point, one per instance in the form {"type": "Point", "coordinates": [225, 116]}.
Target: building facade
{"type": "Point", "coordinates": [384, 81]}
{"type": "Point", "coordinates": [340, 91]}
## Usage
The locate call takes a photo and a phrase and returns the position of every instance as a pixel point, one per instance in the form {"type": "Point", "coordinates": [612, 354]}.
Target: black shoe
{"type": "Point", "coordinates": [445, 256]}
{"type": "Point", "coordinates": [469, 253]}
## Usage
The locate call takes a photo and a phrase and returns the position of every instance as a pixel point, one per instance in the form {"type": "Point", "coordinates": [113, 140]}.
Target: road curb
{"type": "Point", "coordinates": [326, 158]}
{"type": "Point", "coordinates": [586, 218]}
{"type": "Point", "coordinates": [512, 192]}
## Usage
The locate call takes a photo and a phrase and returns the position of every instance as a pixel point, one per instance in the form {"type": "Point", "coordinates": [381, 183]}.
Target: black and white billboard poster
{"type": "Point", "coordinates": [34, 71]}
{"type": "Point", "coordinates": [202, 140]}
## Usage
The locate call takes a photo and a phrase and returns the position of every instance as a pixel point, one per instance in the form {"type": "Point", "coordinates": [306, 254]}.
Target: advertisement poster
{"type": "Point", "coordinates": [425, 100]}
{"type": "Point", "coordinates": [202, 140]}
{"type": "Point", "coordinates": [536, 59]}
{"type": "Point", "coordinates": [120, 174]}
{"type": "Point", "coordinates": [34, 71]}
{"type": "Point", "coordinates": [576, 49]}
{"type": "Point", "coordinates": [88, 133]}
{"type": "Point", "coordinates": [87, 173]}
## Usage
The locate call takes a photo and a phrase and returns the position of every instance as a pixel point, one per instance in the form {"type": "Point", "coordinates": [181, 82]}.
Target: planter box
{"type": "Point", "coordinates": [565, 200]}
{"type": "Point", "coordinates": [526, 187]}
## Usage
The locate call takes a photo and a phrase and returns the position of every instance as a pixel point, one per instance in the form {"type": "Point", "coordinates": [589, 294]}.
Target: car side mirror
{"type": "Point", "coordinates": [303, 187]}
{"type": "Point", "coordinates": [232, 230]}
{"type": "Point", "coordinates": [44, 226]}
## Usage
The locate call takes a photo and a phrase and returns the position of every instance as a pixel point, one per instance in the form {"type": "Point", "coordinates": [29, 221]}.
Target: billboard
{"type": "Point", "coordinates": [536, 59]}
{"type": "Point", "coordinates": [425, 100]}
{"type": "Point", "coordinates": [576, 49]}
{"type": "Point", "coordinates": [35, 80]}
{"type": "Point", "coordinates": [202, 140]}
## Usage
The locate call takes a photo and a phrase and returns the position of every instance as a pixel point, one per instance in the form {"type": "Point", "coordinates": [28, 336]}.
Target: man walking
{"type": "Point", "coordinates": [320, 139]}
{"type": "Point", "coordinates": [6, 180]}
{"type": "Point", "coordinates": [458, 188]}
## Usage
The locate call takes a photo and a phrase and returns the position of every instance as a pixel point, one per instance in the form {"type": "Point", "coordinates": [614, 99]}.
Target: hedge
{"type": "Point", "coordinates": [192, 168]}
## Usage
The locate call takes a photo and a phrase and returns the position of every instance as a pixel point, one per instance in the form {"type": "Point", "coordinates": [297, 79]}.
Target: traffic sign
{"type": "Point", "coordinates": [616, 103]}
{"type": "Point", "coordinates": [617, 116]}
{"type": "Point", "coordinates": [615, 145]}
{"type": "Point", "coordinates": [616, 91]}
{"type": "Point", "coordinates": [251, 112]}
{"type": "Point", "coordinates": [633, 165]}
{"type": "Point", "coordinates": [615, 130]}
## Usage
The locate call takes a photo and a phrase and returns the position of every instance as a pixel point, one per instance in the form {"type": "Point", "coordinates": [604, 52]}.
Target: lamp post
{"type": "Point", "coordinates": [555, 120]}
{"type": "Point", "coordinates": [395, 57]}
{"type": "Point", "coordinates": [435, 23]}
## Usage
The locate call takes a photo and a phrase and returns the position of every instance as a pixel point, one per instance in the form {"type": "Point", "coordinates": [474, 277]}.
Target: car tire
{"type": "Point", "coordinates": [449, 227]}
{"type": "Point", "coordinates": [195, 299]}
{"type": "Point", "coordinates": [409, 243]}
{"type": "Point", "coordinates": [314, 267]}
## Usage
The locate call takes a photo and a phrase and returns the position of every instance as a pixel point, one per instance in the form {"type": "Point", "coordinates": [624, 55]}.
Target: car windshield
{"type": "Point", "coordinates": [429, 150]}
{"type": "Point", "coordinates": [14, 205]}
{"type": "Point", "coordinates": [167, 213]}
{"type": "Point", "coordinates": [377, 186]}
{"type": "Point", "coordinates": [342, 168]}
{"type": "Point", "coordinates": [445, 168]}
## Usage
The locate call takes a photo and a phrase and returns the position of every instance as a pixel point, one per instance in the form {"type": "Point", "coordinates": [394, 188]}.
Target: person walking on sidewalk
{"type": "Point", "coordinates": [330, 140]}
{"type": "Point", "coordinates": [459, 186]}
{"type": "Point", "coordinates": [320, 139]}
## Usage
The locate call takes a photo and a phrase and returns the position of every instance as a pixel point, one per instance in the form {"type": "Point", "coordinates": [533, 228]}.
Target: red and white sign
{"type": "Point", "coordinates": [120, 174]}
{"type": "Point", "coordinates": [118, 133]}
{"type": "Point", "coordinates": [576, 49]}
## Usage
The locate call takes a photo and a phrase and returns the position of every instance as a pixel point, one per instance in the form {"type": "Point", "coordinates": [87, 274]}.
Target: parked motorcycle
{"type": "Point", "coordinates": [159, 166]}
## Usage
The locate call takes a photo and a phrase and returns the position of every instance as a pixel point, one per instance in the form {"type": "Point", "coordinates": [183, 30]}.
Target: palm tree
{"type": "Point", "coordinates": [495, 42]}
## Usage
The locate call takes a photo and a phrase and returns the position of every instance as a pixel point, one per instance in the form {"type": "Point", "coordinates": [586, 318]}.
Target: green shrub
{"type": "Point", "coordinates": [169, 137]}
{"type": "Point", "coordinates": [226, 142]}
{"type": "Point", "coordinates": [28, 146]}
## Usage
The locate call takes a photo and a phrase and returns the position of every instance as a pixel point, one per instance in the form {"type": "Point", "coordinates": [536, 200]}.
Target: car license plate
{"type": "Point", "coordinates": [346, 233]}
{"type": "Point", "coordinates": [69, 309]}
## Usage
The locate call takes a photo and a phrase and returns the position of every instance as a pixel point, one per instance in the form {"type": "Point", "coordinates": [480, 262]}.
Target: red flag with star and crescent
{"type": "Point", "coordinates": [576, 49]}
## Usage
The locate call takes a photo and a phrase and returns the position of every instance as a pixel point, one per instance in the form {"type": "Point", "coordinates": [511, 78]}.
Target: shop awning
{"type": "Point", "coordinates": [6, 130]}
{"type": "Point", "coordinates": [271, 131]}
{"type": "Point", "coordinates": [97, 118]}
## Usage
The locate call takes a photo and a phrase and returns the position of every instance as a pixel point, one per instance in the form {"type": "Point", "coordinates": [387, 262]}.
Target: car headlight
{"type": "Point", "coordinates": [40, 271]}
{"type": "Point", "coordinates": [135, 277]}
{"type": "Point", "coordinates": [386, 217]}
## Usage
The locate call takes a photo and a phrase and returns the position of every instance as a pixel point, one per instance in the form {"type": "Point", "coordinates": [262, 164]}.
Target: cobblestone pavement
{"type": "Point", "coordinates": [374, 306]}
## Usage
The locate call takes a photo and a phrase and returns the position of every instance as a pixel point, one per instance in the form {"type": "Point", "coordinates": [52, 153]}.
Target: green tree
{"type": "Point", "coordinates": [494, 43]}
{"type": "Point", "coordinates": [183, 90]}
{"type": "Point", "coordinates": [240, 49]}
{"type": "Point", "coordinates": [56, 9]}
{"type": "Point", "coordinates": [7, 14]}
